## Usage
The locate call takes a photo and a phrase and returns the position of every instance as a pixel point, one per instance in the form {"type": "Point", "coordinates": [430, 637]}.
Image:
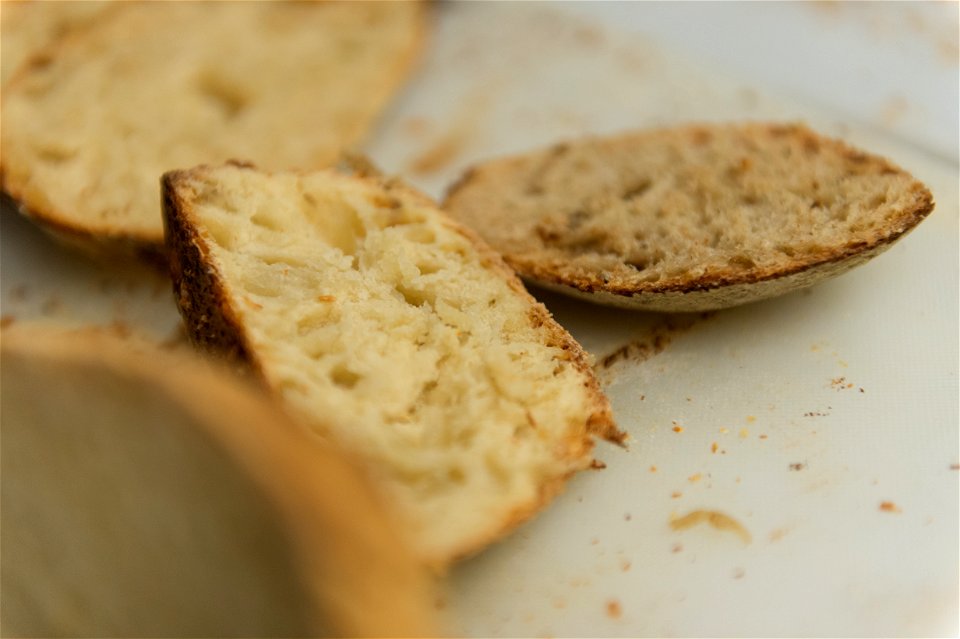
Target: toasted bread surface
{"type": "Point", "coordinates": [90, 126]}
{"type": "Point", "coordinates": [393, 331]}
{"type": "Point", "coordinates": [148, 493]}
{"type": "Point", "coordinates": [692, 218]}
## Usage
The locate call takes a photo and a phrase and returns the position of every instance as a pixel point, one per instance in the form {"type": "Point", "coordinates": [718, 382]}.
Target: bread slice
{"type": "Point", "coordinates": [691, 218]}
{"type": "Point", "coordinates": [28, 26]}
{"type": "Point", "coordinates": [89, 127]}
{"type": "Point", "coordinates": [146, 493]}
{"type": "Point", "coordinates": [393, 331]}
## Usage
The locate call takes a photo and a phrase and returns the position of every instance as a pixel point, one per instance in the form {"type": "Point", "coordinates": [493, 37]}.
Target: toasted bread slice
{"type": "Point", "coordinates": [146, 493]}
{"type": "Point", "coordinates": [89, 127]}
{"type": "Point", "coordinates": [393, 331]}
{"type": "Point", "coordinates": [689, 219]}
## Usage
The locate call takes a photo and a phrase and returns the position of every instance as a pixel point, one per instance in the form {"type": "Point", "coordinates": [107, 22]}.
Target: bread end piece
{"type": "Point", "coordinates": [424, 396]}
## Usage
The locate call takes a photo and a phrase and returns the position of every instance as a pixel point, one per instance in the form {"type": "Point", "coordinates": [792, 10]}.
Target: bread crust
{"type": "Point", "coordinates": [211, 321]}
{"type": "Point", "coordinates": [718, 287]}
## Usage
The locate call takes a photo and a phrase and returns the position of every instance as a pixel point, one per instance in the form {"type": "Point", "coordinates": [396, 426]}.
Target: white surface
{"type": "Point", "coordinates": [824, 559]}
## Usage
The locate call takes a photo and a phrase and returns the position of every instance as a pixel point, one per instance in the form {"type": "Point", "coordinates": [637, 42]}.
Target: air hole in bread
{"type": "Point", "coordinates": [56, 153]}
{"type": "Point", "coordinates": [344, 377]}
{"type": "Point", "coordinates": [229, 99]}
{"type": "Point", "coordinates": [221, 234]}
{"type": "Point", "coordinates": [429, 268]}
{"type": "Point", "coordinates": [420, 234]}
{"type": "Point", "coordinates": [878, 200]}
{"type": "Point", "coordinates": [636, 189]}
{"type": "Point", "coordinates": [266, 220]}
{"type": "Point", "coordinates": [318, 318]}
{"type": "Point", "coordinates": [412, 296]}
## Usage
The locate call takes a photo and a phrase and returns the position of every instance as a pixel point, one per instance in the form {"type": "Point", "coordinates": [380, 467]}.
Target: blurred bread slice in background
{"type": "Point", "coordinates": [691, 218]}
{"type": "Point", "coordinates": [27, 27]}
{"type": "Point", "coordinates": [146, 493]}
{"type": "Point", "coordinates": [91, 124]}
{"type": "Point", "coordinates": [395, 332]}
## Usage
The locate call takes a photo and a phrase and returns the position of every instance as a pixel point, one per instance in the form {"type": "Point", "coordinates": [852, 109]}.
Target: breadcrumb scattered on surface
{"type": "Point", "coordinates": [614, 610]}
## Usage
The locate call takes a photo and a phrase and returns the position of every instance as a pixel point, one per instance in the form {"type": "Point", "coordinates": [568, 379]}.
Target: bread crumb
{"type": "Point", "coordinates": [777, 534]}
{"type": "Point", "coordinates": [677, 428]}
{"type": "Point", "coordinates": [676, 494]}
{"type": "Point", "coordinates": [596, 464]}
{"type": "Point", "coordinates": [954, 466]}
{"type": "Point", "coordinates": [889, 507]}
{"type": "Point", "coordinates": [442, 153]}
{"type": "Point", "coordinates": [751, 419]}
{"type": "Point", "coordinates": [714, 447]}
{"type": "Point", "coordinates": [653, 469]}
{"type": "Point", "coordinates": [625, 565]}
{"type": "Point", "coordinates": [724, 431]}
{"type": "Point", "coordinates": [614, 610]}
{"type": "Point", "coordinates": [676, 548]}
{"type": "Point", "coordinates": [763, 436]}
{"type": "Point", "coordinates": [744, 433]}
{"type": "Point", "coordinates": [798, 466]}
{"type": "Point", "coordinates": [695, 477]}
{"type": "Point", "coordinates": [715, 519]}
{"type": "Point", "coordinates": [627, 516]}
{"type": "Point", "coordinates": [739, 573]}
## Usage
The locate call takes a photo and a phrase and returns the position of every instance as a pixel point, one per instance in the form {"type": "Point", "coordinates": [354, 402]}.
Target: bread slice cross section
{"type": "Point", "coordinates": [91, 123]}
{"type": "Point", "coordinates": [691, 218]}
{"type": "Point", "coordinates": [388, 328]}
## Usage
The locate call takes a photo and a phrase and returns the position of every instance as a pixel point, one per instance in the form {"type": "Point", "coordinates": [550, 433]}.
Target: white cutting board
{"type": "Point", "coordinates": [824, 423]}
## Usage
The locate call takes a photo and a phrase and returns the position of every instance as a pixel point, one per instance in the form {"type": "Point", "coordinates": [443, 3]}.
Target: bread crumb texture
{"type": "Point", "coordinates": [392, 330]}
{"type": "Point", "coordinates": [687, 209]}
{"type": "Point", "coordinates": [90, 125]}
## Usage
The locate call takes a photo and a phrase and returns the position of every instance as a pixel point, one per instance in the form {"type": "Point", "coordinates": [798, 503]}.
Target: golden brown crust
{"type": "Point", "coordinates": [211, 322]}
{"type": "Point", "coordinates": [715, 286]}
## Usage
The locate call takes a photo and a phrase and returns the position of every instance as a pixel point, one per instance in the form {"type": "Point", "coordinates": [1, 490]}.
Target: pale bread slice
{"type": "Point", "coordinates": [90, 126]}
{"type": "Point", "coordinates": [392, 330]}
{"type": "Point", "coordinates": [692, 218]}
{"type": "Point", "coordinates": [29, 26]}
{"type": "Point", "coordinates": [146, 493]}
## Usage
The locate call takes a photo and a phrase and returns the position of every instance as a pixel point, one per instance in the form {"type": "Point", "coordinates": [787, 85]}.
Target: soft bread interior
{"type": "Point", "coordinates": [390, 330]}
{"type": "Point", "coordinates": [89, 128]}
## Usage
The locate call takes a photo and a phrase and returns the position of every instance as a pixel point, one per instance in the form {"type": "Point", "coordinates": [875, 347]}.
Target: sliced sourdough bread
{"type": "Point", "coordinates": [147, 493]}
{"type": "Point", "coordinates": [692, 218]}
{"type": "Point", "coordinates": [393, 331]}
{"type": "Point", "coordinates": [89, 127]}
